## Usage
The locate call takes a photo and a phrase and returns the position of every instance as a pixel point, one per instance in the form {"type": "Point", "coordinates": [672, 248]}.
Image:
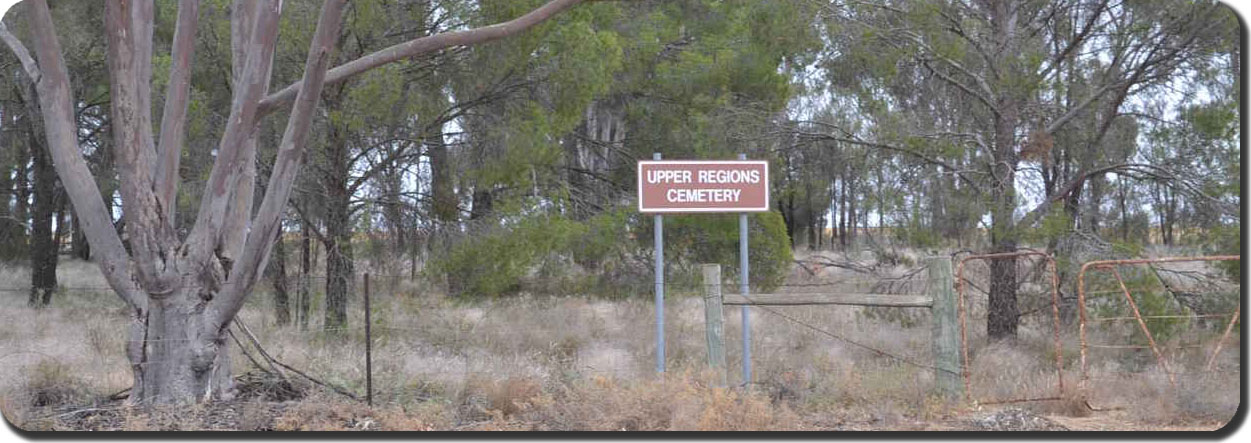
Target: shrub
{"type": "Point", "coordinates": [694, 239]}
{"type": "Point", "coordinates": [492, 263]}
{"type": "Point", "coordinates": [606, 254]}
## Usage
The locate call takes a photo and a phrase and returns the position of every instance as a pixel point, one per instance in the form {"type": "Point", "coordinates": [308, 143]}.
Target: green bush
{"type": "Point", "coordinates": [1151, 301]}
{"type": "Point", "coordinates": [607, 255]}
{"type": "Point", "coordinates": [694, 239]}
{"type": "Point", "coordinates": [492, 263]}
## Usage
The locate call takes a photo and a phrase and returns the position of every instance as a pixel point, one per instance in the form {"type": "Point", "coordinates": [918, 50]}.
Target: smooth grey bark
{"type": "Point", "coordinates": [182, 293]}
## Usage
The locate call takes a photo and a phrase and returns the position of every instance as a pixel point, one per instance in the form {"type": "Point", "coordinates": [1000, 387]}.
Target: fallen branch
{"type": "Point", "coordinates": [257, 343]}
{"type": "Point", "coordinates": [319, 382]}
{"type": "Point", "coordinates": [275, 361]}
{"type": "Point", "coordinates": [245, 351]}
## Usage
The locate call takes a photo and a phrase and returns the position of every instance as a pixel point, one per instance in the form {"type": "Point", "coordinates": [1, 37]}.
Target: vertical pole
{"type": "Point", "coordinates": [659, 223]}
{"type": "Point", "coordinates": [945, 329]}
{"type": "Point", "coordinates": [713, 321]}
{"type": "Point", "coordinates": [369, 360]}
{"type": "Point", "coordinates": [744, 272]}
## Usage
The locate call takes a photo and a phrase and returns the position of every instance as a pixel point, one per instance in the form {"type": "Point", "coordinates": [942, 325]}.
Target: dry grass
{"type": "Point", "coordinates": [565, 363]}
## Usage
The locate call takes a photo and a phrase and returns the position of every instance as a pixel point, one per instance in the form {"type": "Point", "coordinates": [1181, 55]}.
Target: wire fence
{"type": "Point", "coordinates": [1033, 295]}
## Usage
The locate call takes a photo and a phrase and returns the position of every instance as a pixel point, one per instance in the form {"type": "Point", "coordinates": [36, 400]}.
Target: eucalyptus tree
{"type": "Point", "coordinates": [1008, 74]}
{"type": "Point", "coordinates": [184, 291]}
{"type": "Point", "coordinates": [47, 206]}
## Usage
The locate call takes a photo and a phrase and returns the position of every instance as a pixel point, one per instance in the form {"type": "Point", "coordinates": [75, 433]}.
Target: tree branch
{"type": "Point", "coordinates": [23, 56]}
{"type": "Point", "coordinates": [129, 57]}
{"type": "Point", "coordinates": [174, 114]}
{"type": "Point", "coordinates": [249, 90]}
{"type": "Point", "coordinates": [267, 222]}
{"type": "Point", "coordinates": [1077, 40]}
{"type": "Point", "coordinates": [239, 212]}
{"type": "Point", "coordinates": [424, 45]}
{"type": "Point", "coordinates": [57, 107]}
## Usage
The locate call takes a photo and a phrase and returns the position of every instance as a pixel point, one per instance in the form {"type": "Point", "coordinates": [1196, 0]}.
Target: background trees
{"type": "Point", "coordinates": [1026, 107]}
{"type": "Point", "coordinates": [490, 161]}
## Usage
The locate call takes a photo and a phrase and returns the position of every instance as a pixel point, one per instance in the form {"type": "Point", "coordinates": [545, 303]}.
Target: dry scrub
{"type": "Point", "coordinates": [563, 364]}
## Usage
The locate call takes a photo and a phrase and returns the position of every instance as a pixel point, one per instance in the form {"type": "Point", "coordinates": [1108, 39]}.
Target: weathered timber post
{"type": "Point", "coordinates": [713, 320]}
{"type": "Point", "coordinates": [946, 329]}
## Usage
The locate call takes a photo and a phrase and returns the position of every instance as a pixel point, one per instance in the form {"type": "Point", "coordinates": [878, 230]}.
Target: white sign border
{"type": "Point", "coordinates": [736, 210]}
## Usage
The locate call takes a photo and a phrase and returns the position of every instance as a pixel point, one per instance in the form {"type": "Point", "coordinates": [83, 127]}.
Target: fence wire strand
{"type": "Point", "coordinates": [863, 346]}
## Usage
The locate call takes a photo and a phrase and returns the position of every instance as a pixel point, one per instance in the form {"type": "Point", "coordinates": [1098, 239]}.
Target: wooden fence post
{"type": "Point", "coordinates": [713, 320]}
{"type": "Point", "coordinates": [946, 329]}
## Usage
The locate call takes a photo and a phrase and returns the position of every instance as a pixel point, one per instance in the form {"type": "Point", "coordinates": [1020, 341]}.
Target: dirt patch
{"type": "Point", "coordinates": [1014, 419]}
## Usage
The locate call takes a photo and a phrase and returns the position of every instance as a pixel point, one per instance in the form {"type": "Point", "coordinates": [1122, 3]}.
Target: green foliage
{"type": "Point", "coordinates": [1226, 239]}
{"type": "Point", "coordinates": [493, 263]}
{"type": "Point", "coordinates": [1055, 225]}
{"type": "Point", "coordinates": [919, 235]}
{"type": "Point", "coordinates": [1131, 248]}
{"type": "Point", "coordinates": [694, 239]}
{"type": "Point", "coordinates": [1151, 299]}
{"type": "Point", "coordinates": [555, 255]}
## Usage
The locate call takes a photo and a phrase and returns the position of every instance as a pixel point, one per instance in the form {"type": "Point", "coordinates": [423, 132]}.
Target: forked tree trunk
{"type": "Point", "coordinates": [182, 294]}
{"type": "Point", "coordinates": [179, 355]}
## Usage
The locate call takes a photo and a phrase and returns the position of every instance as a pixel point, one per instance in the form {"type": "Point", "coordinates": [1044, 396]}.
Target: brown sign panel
{"type": "Point", "coordinates": [703, 186]}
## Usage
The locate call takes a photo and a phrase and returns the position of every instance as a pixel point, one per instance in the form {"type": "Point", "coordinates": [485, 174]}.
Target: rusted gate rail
{"type": "Point", "coordinates": [1055, 312]}
{"type": "Point", "coordinates": [1112, 265]}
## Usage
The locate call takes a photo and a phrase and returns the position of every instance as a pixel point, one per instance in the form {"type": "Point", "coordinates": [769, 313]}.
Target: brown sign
{"type": "Point", "coordinates": [703, 186]}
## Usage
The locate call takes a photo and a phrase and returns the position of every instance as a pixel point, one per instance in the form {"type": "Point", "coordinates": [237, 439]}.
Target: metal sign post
{"type": "Point", "coordinates": [745, 270]}
{"type": "Point", "coordinates": [659, 223]}
{"type": "Point", "coordinates": [691, 186]}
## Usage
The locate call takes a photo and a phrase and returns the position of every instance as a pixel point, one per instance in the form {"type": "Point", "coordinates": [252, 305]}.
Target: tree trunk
{"type": "Point", "coordinates": [177, 355]}
{"type": "Point", "coordinates": [441, 187]}
{"type": "Point", "coordinates": [338, 241]}
{"type": "Point", "coordinates": [788, 216]}
{"type": "Point", "coordinates": [78, 241]}
{"type": "Point", "coordinates": [43, 251]}
{"type": "Point", "coordinates": [21, 203]}
{"type": "Point", "coordinates": [183, 296]}
{"type": "Point", "coordinates": [1002, 311]}
{"type": "Point", "coordinates": [12, 161]}
{"type": "Point", "coordinates": [306, 266]}
{"type": "Point", "coordinates": [842, 218]}
{"type": "Point", "coordinates": [1094, 199]}
{"type": "Point", "coordinates": [852, 218]}
{"type": "Point", "coordinates": [482, 205]}
{"type": "Point", "coordinates": [812, 216]}
{"type": "Point", "coordinates": [278, 271]}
